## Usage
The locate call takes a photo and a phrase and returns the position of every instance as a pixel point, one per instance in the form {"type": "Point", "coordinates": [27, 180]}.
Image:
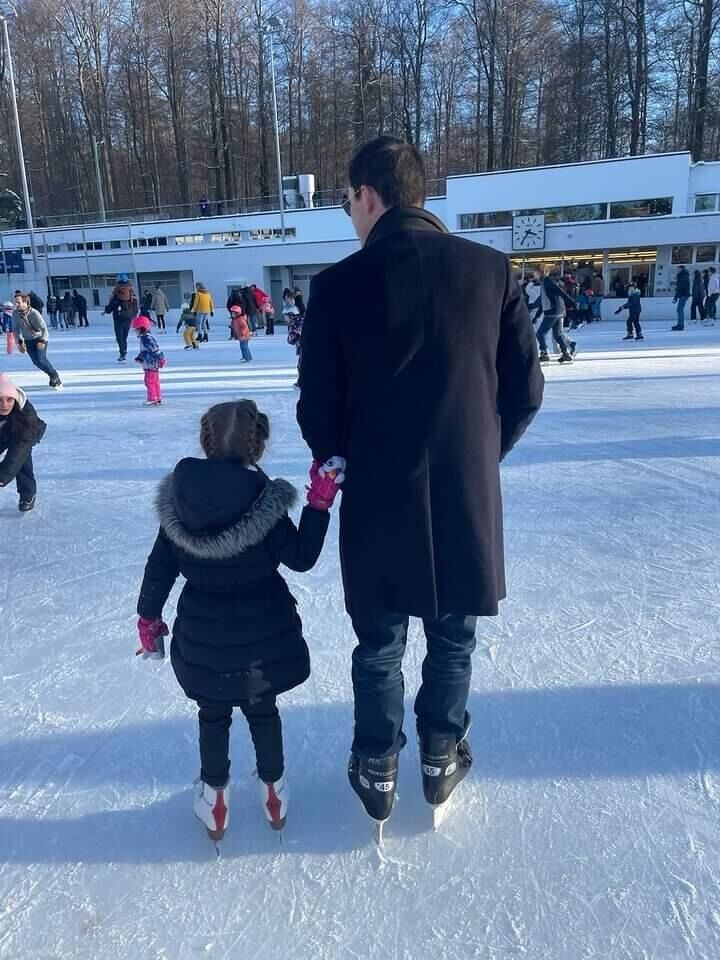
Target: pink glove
{"type": "Point", "coordinates": [325, 480]}
{"type": "Point", "coordinates": [151, 633]}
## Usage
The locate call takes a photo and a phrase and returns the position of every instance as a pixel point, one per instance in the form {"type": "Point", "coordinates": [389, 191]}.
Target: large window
{"type": "Point", "coordinates": [152, 241]}
{"type": "Point", "coordinates": [478, 221]}
{"type": "Point", "coordinates": [704, 253]}
{"type": "Point", "coordinates": [574, 213]}
{"type": "Point", "coordinates": [582, 211]}
{"type": "Point", "coordinates": [706, 203]}
{"type": "Point", "coordinates": [627, 209]}
{"type": "Point", "coordinates": [682, 254]}
{"type": "Point", "coordinates": [707, 253]}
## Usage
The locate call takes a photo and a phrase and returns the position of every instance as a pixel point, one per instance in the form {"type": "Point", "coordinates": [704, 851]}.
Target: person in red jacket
{"type": "Point", "coordinates": [266, 310]}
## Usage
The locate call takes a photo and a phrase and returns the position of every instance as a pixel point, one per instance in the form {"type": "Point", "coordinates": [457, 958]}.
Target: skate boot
{"type": "Point", "coordinates": [374, 780]}
{"type": "Point", "coordinates": [544, 357]}
{"type": "Point", "coordinates": [212, 808]}
{"type": "Point", "coordinates": [445, 763]}
{"type": "Point", "coordinates": [565, 358]}
{"type": "Point", "coordinates": [275, 798]}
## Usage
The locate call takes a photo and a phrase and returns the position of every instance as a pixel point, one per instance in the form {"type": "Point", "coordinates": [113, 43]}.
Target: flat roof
{"type": "Point", "coordinates": [574, 163]}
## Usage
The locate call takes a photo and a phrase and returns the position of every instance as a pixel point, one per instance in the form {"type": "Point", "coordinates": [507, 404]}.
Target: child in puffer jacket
{"type": "Point", "coordinates": [152, 359]}
{"type": "Point", "coordinates": [237, 639]}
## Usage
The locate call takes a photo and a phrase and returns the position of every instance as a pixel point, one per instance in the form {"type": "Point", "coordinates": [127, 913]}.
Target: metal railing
{"type": "Point", "coordinates": [191, 211]}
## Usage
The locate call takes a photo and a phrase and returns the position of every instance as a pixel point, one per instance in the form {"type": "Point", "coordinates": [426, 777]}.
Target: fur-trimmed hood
{"type": "Point", "coordinates": [215, 509]}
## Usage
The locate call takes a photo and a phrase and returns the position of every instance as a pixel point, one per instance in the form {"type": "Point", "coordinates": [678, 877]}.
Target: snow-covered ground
{"type": "Point", "coordinates": [590, 824]}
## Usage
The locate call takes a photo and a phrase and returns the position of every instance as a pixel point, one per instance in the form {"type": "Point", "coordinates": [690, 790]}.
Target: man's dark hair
{"type": "Point", "coordinates": [393, 168]}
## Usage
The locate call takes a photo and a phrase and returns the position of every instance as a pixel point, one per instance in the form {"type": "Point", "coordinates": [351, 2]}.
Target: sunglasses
{"type": "Point", "coordinates": [347, 201]}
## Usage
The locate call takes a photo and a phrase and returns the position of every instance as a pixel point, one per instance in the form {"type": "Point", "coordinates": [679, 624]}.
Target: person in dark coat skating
{"type": "Point", "coordinates": [423, 415]}
{"type": "Point", "coordinates": [20, 430]}
{"type": "Point", "coordinates": [237, 639]}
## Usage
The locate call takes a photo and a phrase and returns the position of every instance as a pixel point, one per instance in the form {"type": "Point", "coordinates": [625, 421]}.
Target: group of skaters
{"type": "Point", "coordinates": [557, 303]}
{"type": "Point", "coordinates": [69, 310]}
{"type": "Point", "coordinates": [548, 303]}
{"type": "Point", "coordinates": [702, 292]}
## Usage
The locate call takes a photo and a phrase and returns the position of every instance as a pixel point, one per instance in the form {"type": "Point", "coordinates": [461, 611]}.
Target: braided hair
{"type": "Point", "coordinates": [235, 430]}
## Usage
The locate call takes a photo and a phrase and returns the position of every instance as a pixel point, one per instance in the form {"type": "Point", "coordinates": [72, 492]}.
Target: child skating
{"type": "Point", "coordinates": [152, 359]}
{"type": "Point", "coordinates": [634, 308]}
{"type": "Point", "coordinates": [237, 638]}
{"type": "Point", "coordinates": [6, 327]}
{"type": "Point", "coordinates": [241, 329]}
{"type": "Point", "coordinates": [190, 333]}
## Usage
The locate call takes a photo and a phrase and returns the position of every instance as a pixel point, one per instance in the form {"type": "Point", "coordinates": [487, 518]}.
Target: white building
{"type": "Point", "coordinates": [636, 217]}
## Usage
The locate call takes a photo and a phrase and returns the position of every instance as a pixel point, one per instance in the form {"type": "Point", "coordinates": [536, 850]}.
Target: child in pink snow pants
{"type": "Point", "coordinates": [152, 359]}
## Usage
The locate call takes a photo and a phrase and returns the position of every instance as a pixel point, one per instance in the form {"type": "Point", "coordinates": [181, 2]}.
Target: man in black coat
{"type": "Point", "coordinates": [444, 383]}
{"type": "Point", "coordinates": [80, 304]}
{"type": "Point", "coordinates": [682, 295]}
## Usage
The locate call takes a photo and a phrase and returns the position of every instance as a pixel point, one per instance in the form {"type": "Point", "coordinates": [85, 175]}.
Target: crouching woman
{"type": "Point", "coordinates": [20, 430]}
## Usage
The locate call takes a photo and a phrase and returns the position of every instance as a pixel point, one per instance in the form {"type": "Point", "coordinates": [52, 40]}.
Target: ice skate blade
{"type": "Point", "coordinates": [378, 828]}
{"type": "Point", "coordinates": [439, 813]}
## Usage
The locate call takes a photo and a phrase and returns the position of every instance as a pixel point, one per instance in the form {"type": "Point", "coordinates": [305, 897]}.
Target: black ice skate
{"type": "Point", "coordinates": [445, 764]}
{"type": "Point", "coordinates": [374, 780]}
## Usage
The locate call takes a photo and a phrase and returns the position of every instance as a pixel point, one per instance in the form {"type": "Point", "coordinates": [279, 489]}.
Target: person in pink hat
{"type": "Point", "coordinates": [152, 359]}
{"type": "Point", "coordinates": [20, 430]}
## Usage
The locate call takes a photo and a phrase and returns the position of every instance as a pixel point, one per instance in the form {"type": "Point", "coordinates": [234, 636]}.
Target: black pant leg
{"type": "Point", "coordinates": [214, 720]}
{"type": "Point", "coordinates": [378, 683]}
{"type": "Point", "coordinates": [265, 725]}
{"type": "Point", "coordinates": [441, 703]}
{"type": "Point", "coordinates": [25, 480]}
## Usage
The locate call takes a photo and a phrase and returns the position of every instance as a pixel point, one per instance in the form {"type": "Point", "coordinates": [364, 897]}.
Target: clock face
{"type": "Point", "coordinates": [528, 232]}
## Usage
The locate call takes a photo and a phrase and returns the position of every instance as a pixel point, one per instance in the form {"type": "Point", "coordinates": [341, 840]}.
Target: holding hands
{"type": "Point", "coordinates": [151, 633]}
{"type": "Point", "coordinates": [325, 481]}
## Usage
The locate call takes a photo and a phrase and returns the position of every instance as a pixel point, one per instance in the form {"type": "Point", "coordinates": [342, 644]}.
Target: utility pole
{"type": "Point", "coordinates": [6, 10]}
{"type": "Point", "coordinates": [101, 195]}
{"type": "Point", "coordinates": [273, 24]}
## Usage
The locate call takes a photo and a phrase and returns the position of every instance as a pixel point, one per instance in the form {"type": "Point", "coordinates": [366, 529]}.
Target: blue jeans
{"type": "Point", "coordinates": [379, 686]}
{"type": "Point", "coordinates": [681, 312]}
{"type": "Point", "coordinates": [39, 357]}
{"type": "Point", "coordinates": [555, 324]}
{"type": "Point", "coordinates": [595, 305]}
{"type": "Point", "coordinates": [245, 350]}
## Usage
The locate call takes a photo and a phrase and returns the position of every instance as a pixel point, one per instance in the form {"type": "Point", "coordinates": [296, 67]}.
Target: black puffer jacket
{"type": "Point", "coordinates": [225, 528]}
{"type": "Point", "coordinates": [19, 432]}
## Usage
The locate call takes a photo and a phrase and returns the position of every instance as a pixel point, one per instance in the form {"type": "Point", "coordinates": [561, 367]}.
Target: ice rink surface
{"type": "Point", "coordinates": [589, 826]}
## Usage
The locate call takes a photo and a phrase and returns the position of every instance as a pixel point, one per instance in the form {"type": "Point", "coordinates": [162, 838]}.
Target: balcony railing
{"type": "Point", "coordinates": [192, 211]}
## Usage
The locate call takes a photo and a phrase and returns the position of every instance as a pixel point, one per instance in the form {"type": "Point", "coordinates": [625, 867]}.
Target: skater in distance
{"type": "Point", "coordinates": [237, 640]}
{"type": "Point", "coordinates": [423, 415]}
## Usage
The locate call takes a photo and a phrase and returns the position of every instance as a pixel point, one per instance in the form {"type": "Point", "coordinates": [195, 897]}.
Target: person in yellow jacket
{"type": "Point", "coordinates": [203, 307]}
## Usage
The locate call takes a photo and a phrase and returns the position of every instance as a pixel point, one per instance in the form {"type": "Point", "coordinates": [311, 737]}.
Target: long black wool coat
{"type": "Point", "coordinates": [225, 528]}
{"type": "Point", "coordinates": [423, 393]}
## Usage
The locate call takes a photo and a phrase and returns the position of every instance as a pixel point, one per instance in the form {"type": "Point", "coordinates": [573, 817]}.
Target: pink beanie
{"type": "Point", "coordinates": [140, 323]}
{"type": "Point", "coordinates": [7, 387]}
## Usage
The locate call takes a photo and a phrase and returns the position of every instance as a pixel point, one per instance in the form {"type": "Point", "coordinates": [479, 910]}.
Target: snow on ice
{"type": "Point", "coordinates": [588, 827]}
